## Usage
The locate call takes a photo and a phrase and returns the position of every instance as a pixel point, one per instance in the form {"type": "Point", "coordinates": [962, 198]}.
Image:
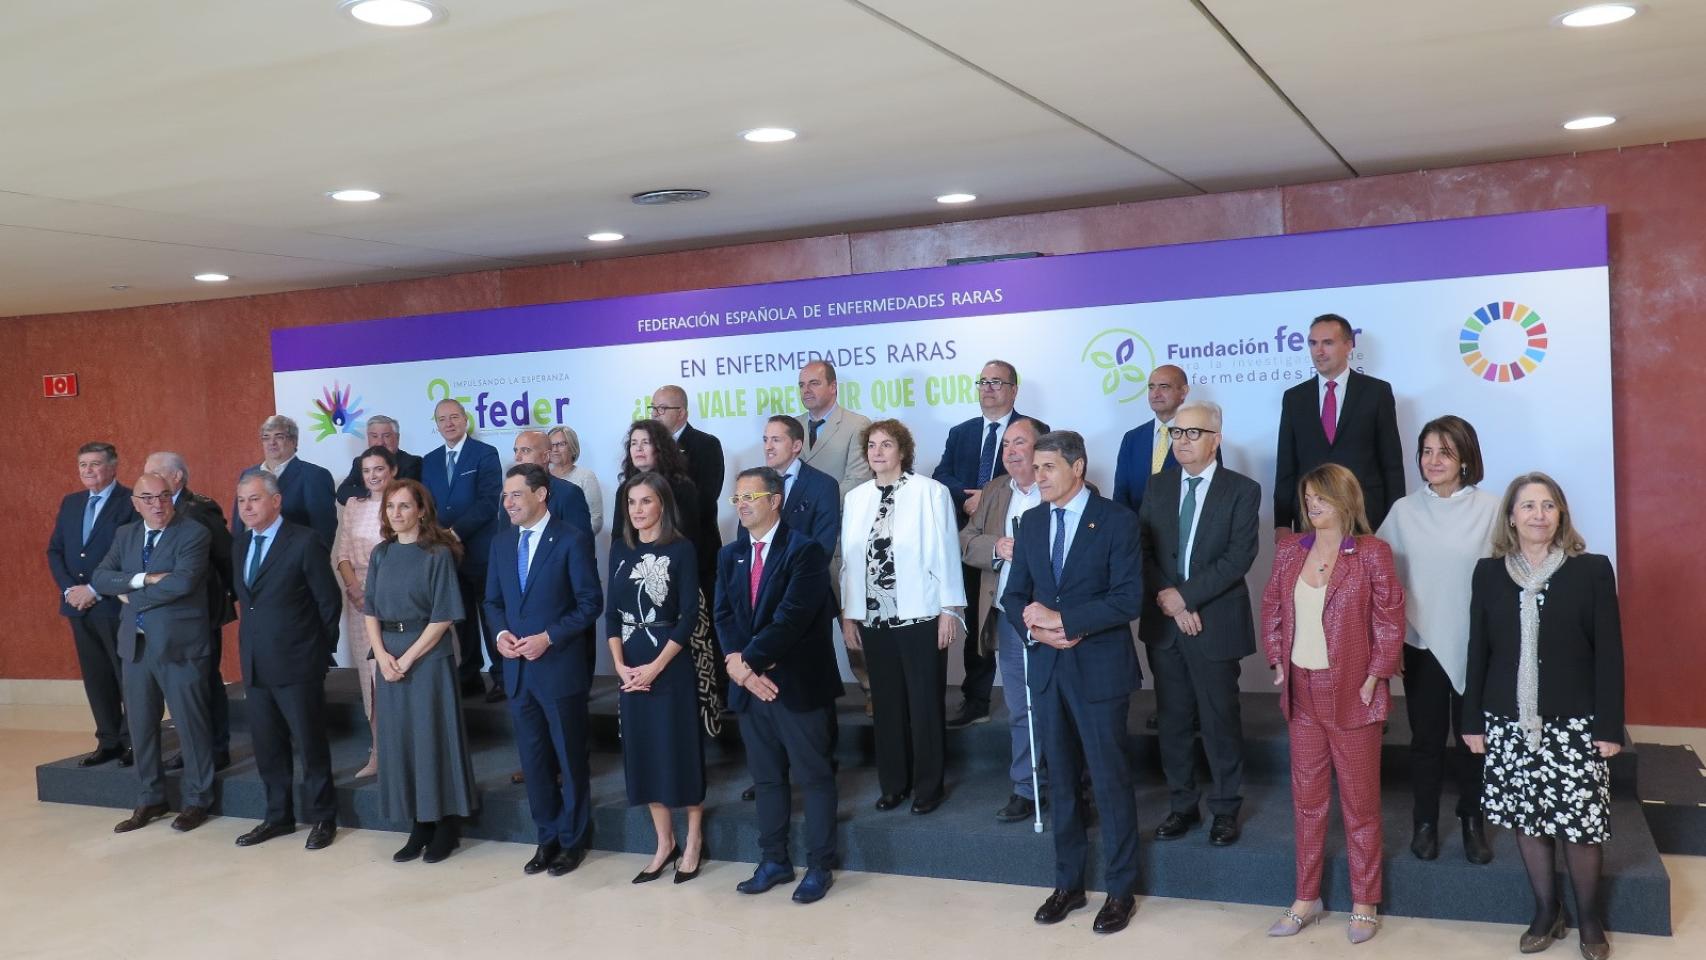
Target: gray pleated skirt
{"type": "Point", "coordinates": [424, 770]}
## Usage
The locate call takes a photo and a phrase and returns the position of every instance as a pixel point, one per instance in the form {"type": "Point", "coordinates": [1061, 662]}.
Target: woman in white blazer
{"type": "Point", "coordinates": [902, 601]}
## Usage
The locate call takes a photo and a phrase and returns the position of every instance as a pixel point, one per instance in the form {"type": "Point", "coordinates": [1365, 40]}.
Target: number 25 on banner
{"type": "Point", "coordinates": [59, 385]}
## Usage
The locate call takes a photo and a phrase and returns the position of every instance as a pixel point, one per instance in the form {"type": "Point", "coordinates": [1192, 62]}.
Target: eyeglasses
{"type": "Point", "coordinates": [150, 499]}
{"type": "Point", "coordinates": [985, 383]}
{"type": "Point", "coordinates": [1188, 433]}
{"type": "Point", "coordinates": [740, 498]}
{"type": "Point", "coordinates": [655, 407]}
{"type": "Point", "coordinates": [559, 445]}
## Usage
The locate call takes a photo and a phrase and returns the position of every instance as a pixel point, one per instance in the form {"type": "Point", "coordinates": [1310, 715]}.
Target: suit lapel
{"type": "Point", "coordinates": [547, 543]}
{"type": "Point", "coordinates": [772, 556]}
{"type": "Point", "coordinates": [743, 589]}
{"type": "Point", "coordinates": [273, 550]}
{"type": "Point", "coordinates": [1086, 533]}
{"type": "Point", "coordinates": [1341, 570]}
{"type": "Point", "coordinates": [825, 433]}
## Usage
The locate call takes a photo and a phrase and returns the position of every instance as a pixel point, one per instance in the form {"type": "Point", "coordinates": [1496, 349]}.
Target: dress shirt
{"type": "Point", "coordinates": [1343, 380]}
{"type": "Point", "coordinates": [1074, 515]}
{"type": "Point", "coordinates": [536, 533]}
{"type": "Point", "coordinates": [822, 422]}
{"type": "Point", "coordinates": [1022, 500]}
{"type": "Point", "coordinates": [275, 471]}
{"type": "Point", "coordinates": [271, 533]}
{"type": "Point", "coordinates": [1207, 478]}
{"type": "Point", "coordinates": [1001, 424]}
{"type": "Point", "coordinates": [137, 582]}
{"type": "Point", "coordinates": [788, 477]}
{"type": "Point", "coordinates": [765, 539]}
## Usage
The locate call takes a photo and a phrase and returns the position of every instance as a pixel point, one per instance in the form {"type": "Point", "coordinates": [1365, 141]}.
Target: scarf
{"type": "Point", "coordinates": [1531, 581]}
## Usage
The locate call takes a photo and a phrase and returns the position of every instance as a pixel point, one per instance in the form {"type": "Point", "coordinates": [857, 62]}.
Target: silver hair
{"type": "Point", "coordinates": [267, 480]}
{"type": "Point", "coordinates": [1206, 406]}
{"type": "Point", "coordinates": [382, 420]}
{"type": "Point", "coordinates": [279, 421]}
{"type": "Point", "coordinates": [172, 461]}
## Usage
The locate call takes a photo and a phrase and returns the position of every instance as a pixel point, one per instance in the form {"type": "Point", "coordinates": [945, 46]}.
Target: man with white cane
{"type": "Point", "coordinates": [986, 543]}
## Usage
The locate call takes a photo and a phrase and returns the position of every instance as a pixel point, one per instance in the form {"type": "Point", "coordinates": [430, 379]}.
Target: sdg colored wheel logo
{"type": "Point", "coordinates": [1503, 341]}
{"type": "Point", "coordinates": [1124, 360]}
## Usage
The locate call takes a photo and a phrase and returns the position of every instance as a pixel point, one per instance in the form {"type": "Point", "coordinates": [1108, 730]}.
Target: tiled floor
{"type": "Point", "coordinates": [70, 888]}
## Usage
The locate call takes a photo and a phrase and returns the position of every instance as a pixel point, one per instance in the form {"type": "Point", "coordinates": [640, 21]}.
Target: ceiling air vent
{"type": "Point", "coordinates": [654, 198]}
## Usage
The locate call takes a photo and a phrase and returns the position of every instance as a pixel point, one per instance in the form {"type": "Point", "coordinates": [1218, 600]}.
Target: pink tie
{"type": "Point", "coordinates": [757, 571]}
{"type": "Point", "coordinates": [1330, 411]}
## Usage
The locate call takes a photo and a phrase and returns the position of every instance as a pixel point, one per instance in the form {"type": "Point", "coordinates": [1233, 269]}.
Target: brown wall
{"type": "Point", "coordinates": [194, 377]}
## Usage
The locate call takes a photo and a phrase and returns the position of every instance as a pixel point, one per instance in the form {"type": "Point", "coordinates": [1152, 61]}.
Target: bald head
{"type": "Point", "coordinates": [669, 407]}
{"type": "Point", "coordinates": [533, 446]}
{"type": "Point", "coordinates": [152, 496]}
{"type": "Point", "coordinates": [1168, 387]}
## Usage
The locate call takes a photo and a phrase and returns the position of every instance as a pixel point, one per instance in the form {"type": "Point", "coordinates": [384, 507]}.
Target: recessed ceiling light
{"type": "Point", "coordinates": [393, 13]}
{"type": "Point", "coordinates": [1599, 15]}
{"type": "Point", "coordinates": [956, 198]}
{"type": "Point", "coordinates": [212, 277]}
{"type": "Point", "coordinates": [1589, 123]}
{"type": "Point", "coordinates": [355, 196]}
{"type": "Point", "coordinates": [604, 236]}
{"type": "Point", "coordinates": [768, 135]}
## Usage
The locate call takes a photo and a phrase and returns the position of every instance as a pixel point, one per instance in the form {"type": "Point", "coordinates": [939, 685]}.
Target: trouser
{"type": "Point", "coordinates": [908, 678]}
{"type": "Point", "coordinates": [1192, 690]}
{"type": "Point", "coordinates": [786, 748]}
{"type": "Point", "coordinates": [218, 701]}
{"type": "Point", "coordinates": [1436, 739]}
{"type": "Point", "coordinates": [286, 720]}
{"type": "Point", "coordinates": [1010, 654]}
{"type": "Point", "coordinates": [150, 684]}
{"type": "Point", "coordinates": [96, 640]}
{"type": "Point", "coordinates": [1097, 728]}
{"type": "Point", "coordinates": [1320, 749]}
{"type": "Point", "coordinates": [980, 667]}
{"type": "Point", "coordinates": [550, 735]}
{"type": "Point", "coordinates": [472, 644]}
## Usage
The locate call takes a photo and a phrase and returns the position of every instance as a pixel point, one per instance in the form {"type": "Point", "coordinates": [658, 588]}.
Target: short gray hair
{"type": "Point", "coordinates": [382, 420]}
{"type": "Point", "coordinates": [1068, 443]}
{"type": "Point", "coordinates": [279, 421]}
{"type": "Point", "coordinates": [1208, 407]}
{"type": "Point", "coordinates": [172, 461]}
{"type": "Point", "coordinates": [266, 478]}
{"type": "Point", "coordinates": [570, 437]}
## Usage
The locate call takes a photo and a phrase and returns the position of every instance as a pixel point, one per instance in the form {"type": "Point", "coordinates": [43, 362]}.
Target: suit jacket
{"type": "Point", "coordinates": [705, 465]}
{"type": "Point", "coordinates": [173, 610]}
{"type": "Point", "coordinates": [291, 611]}
{"type": "Point", "coordinates": [1224, 547]}
{"type": "Point", "coordinates": [221, 597]}
{"type": "Point", "coordinates": [1363, 616]}
{"type": "Point", "coordinates": [1099, 594]}
{"type": "Point", "coordinates": [1366, 443]}
{"type": "Point", "coordinates": [838, 451]}
{"type": "Point", "coordinates": [72, 561]}
{"type": "Point", "coordinates": [308, 492]}
{"type": "Point", "coordinates": [813, 507]}
{"type": "Point", "coordinates": [1580, 646]}
{"type": "Point", "coordinates": [1131, 469]}
{"type": "Point", "coordinates": [408, 468]}
{"type": "Point", "coordinates": [961, 456]}
{"type": "Point", "coordinates": [988, 524]}
{"type": "Point", "coordinates": [470, 505]}
{"type": "Point", "coordinates": [562, 599]}
{"type": "Point", "coordinates": [568, 500]}
{"type": "Point", "coordinates": [789, 635]}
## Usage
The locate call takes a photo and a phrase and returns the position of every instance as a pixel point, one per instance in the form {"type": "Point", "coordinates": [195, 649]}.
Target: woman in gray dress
{"type": "Point", "coordinates": [412, 599]}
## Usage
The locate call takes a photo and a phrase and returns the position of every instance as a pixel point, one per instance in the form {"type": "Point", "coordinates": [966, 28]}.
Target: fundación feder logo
{"type": "Point", "coordinates": [335, 413]}
{"type": "Point", "coordinates": [1124, 359]}
{"type": "Point", "coordinates": [1503, 341]}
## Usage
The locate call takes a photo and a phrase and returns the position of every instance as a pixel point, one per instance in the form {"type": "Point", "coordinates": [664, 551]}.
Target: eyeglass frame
{"type": "Point", "coordinates": [1185, 433]}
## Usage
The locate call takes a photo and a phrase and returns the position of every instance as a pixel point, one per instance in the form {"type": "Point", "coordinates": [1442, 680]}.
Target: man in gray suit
{"type": "Point", "coordinates": [1199, 531]}
{"type": "Point", "coordinates": [157, 567]}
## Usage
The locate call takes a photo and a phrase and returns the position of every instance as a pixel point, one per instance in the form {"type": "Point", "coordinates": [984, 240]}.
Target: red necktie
{"type": "Point", "coordinates": [757, 570]}
{"type": "Point", "coordinates": [1330, 411]}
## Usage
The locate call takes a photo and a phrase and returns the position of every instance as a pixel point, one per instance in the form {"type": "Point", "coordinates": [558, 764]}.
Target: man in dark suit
{"type": "Point", "coordinates": [1199, 523]}
{"type": "Point", "coordinates": [567, 499]}
{"type": "Point", "coordinates": [704, 452]}
{"type": "Point", "coordinates": [291, 611]}
{"type": "Point", "coordinates": [382, 431]}
{"type": "Point", "coordinates": [970, 460]}
{"type": "Point", "coordinates": [221, 608]}
{"type": "Point", "coordinates": [308, 487]}
{"type": "Point", "coordinates": [157, 567]}
{"type": "Point", "coordinates": [1338, 416]}
{"type": "Point", "coordinates": [774, 623]}
{"type": "Point", "coordinates": [82, 534]}
{"type": "Point", "coordinates": [543, 600]}
{"type": "Point", "coordinates": [1075, 587]}
{"type": "Point", "coordinates": [811, 499]}
{"type": "Point", "coordinates": [1146, 449]}
{"type": "Point", "coordinates": [465, 479]}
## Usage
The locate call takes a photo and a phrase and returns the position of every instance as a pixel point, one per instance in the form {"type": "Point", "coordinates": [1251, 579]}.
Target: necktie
{"type": "Point", "coordinates": [450, 467]}
{"type": "Point", "coordinates": [1330, 411]}
{"type": "Point", "coordinates": [787, 487]}
{"type": "Point", "coordinates": [521, 560]}
{"type": "Point", "coordinates": [255, 559]}
{"type": "Point", "coordinates": [89, 517]}
{"type": "Point", "coordinates": [1188, 517]}
{"type": "Point", "coordinates": [1162, 442]}
{"type": "Point", "coordinates": [986, 462]}
{"type": "Point", "coordinates": [147, 551]}
{"type": "Point", "coordinates": [812, 431]}
{"type": "Point", "coordinates": [757, 571]}
{"type": "Point", "coordinates": [1057, 554]}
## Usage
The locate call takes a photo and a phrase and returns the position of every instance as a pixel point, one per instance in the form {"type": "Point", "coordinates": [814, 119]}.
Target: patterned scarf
{"type": "Point", "coordinates": [1531, 581]}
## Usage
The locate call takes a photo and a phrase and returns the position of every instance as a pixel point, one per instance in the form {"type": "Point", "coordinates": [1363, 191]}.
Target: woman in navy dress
{"type": "Point", "coordinates": [652, 607]}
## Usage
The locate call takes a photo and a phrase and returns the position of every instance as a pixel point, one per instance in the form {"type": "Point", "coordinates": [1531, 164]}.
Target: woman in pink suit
{"type": "Point", "coordinates": [1333, 626]}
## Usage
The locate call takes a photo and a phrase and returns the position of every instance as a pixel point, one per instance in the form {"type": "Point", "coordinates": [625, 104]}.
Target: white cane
{"type": "Point", "coordinates": [1031, 726]}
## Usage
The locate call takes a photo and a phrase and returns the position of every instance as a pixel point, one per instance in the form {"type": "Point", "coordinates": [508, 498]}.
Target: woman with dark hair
{"type": "Point", "coordinates": [902, 600]}
{"type": "Point", "coordinates": [412, 600]}
{"type": "Point", "coordinates": [1437, 535]}
{"type": "Point", "coordinates": [652, 605]}
{"type": "Point", "coordinates": [1333, 626]}
{"type": "Point", "coordinates": [650, 448]}
{"type": "Point", "coordinates": [1544, 701]}
{"type": "Point", "coordinates": [358, 533]}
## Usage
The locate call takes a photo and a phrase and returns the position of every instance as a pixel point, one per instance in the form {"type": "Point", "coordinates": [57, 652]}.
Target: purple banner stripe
{"type": "Point", "coordinates": [1440, 249]}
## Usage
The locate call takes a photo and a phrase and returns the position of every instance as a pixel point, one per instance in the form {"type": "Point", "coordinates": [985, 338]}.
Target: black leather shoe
{"type": "Point", "coordinates": [1177, 825]}
{"type": "Point", "coordinates": [264, 832]}
{"type": "Point", "coordinates": [127, 758]}
{"type": "Point", "coordinates": [1115, 914]}
{"type": "Point", "coordinates": [922, 807]}
{"type": "Point", "coordinates": [1059, 904]}
{"type": "Point", "coordinates": [749, 794]}
{"type": "Point", "coordinates": [647, 876]}
{"type": "Point", "coordinates": [173, 763]}
{"type": "Point", "coordinates": [566, 861]}
{"type": "Point", "coordinates": [1424, 843]}
{"type": "Point", "coordinates": [496, 694]}
{"type": "Point", "coordinates": [1018, 808]}
{"type": "Point", "coordinates": [889, 801]}
{"type": "Point", "coordinates": [968, 716]}
{"type": "Point", "coordinates": [189, 819]}
{"type": "Point", "coordinates": [100, 756]}
{"type": "Point", "coordinates": [140, 817]}
{"type": "Point", "coordinates": [1224, 831]}
{"type": "Point", "coordinates": [417, 842]}
{"type": "Point", "coordinates": [321, 836]}
{"type": "Point", "coordinates": [542, 858]}
{"type": "Point", "coordinates": [1475, 847]}
{"type": "Point", "coordinates": [682, 876]}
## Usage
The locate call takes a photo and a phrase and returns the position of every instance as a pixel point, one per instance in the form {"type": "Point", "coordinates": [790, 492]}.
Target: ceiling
{"type": "Point", "coordinates": [143, 143]}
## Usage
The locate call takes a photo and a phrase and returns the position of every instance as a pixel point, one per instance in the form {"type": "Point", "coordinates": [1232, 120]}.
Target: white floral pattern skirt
{"type": "Point", "coordinates": [1563, 789]}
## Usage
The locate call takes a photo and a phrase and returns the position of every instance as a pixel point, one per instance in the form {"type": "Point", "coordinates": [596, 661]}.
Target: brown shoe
{"type": "Point", "coordinates": [191, 818]}
{"type": "Point", "coordinates": [141, 817]}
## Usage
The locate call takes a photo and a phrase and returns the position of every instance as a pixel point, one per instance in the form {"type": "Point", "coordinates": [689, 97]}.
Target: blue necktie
{"type": "Point", "coordinates": [255, 560]}
{"type": "Point", "coordinates": [986, 461]}
{"type": "Point", "coordinates": [89, 517]}
{"type": "Point", "coordinates": [449, 468]}
{"type": "Point", "coordinates": [521, 560]}
{"type": "Point", "coordinates": [147, 551]}
{"type": "Point", "coordinates": [1057, 555]}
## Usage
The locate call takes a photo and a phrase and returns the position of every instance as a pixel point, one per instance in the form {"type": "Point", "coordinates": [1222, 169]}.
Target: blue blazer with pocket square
{"type": "Point", "coordinates": [813, 508]}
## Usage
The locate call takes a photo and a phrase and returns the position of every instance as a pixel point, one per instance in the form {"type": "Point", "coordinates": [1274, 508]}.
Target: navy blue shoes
{"type": "Point", "coordinates": [768, 874]}
{"type": "Point", "coordinates": [814, 886]}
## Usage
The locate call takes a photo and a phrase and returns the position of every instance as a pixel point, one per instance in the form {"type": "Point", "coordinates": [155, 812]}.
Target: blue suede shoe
{"type": "Point", "coordinates": [768, 874]}
{"type": "Point", "coordinates": [812, 889]}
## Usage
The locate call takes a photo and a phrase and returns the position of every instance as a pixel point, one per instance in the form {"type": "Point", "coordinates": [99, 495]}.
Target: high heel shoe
{"type": "Point", "coordinates": [417, 842]}
{"type": "Point", "coordinates": [1290, 924]}
{"type": "Point", "coordinates": [446, 837]}
{"type": "Point", "coordinates": [371, 769]}
{"type": "Point", "coordinates": [1369, 926]}
{"type": "Point", "coordinates": [1596, 951]}
{"type": "Point", "coordinates": [682, 876]}
{"type": "Point", "coordinates": [647, 876]}
{"type": "Point", "coordinates": [1536, 942]}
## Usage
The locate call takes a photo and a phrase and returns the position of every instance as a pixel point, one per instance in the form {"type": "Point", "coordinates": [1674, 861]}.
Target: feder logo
{"type": "Point", "coordinates": [335, 413]}
{"type": "Point", "coordinates": [1124, 358]}
{"type": "Point", "coordinates": [1503, 341]}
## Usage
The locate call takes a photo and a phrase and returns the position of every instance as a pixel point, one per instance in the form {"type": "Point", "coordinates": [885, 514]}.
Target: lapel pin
{"type": "Point", "coordinates": [1092, 526]}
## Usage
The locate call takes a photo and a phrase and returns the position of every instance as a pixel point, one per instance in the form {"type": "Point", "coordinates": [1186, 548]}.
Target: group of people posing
{"type": "Point", "coordinates": [443, 567]}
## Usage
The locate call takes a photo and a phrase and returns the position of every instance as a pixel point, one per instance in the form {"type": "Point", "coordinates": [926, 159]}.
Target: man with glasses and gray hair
{"type": "Point", "coordinates": [704, 452]}
{"type": "Point", "coordinates": [382, 431]}
{"type": "Point", "coordinates": [308, 488]}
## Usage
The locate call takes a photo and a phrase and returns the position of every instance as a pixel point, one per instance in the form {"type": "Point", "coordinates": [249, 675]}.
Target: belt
{"type": "Point", "coordinates": [402, 626]}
